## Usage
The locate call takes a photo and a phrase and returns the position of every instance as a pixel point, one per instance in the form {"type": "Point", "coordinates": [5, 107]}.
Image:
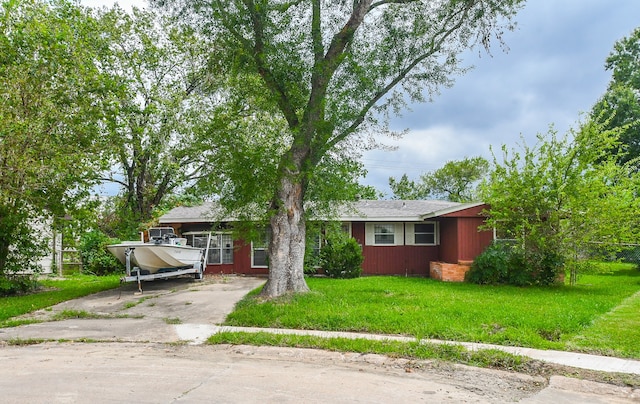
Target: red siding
{"type": "Point", "coordinates": [448, 240]}
{"type": "Point", "coordinates": [471, 241]}
{"type": "Point", "coordinates": [460, 240]}
{"type": "Point", "coordinates": [398, 260]}
{"type": "Point", "coordinates": [394, 260]}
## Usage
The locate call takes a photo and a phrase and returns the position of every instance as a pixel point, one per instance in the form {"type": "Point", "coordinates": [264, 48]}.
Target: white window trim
{"type": "Point", "coordinates": [349, 228]}
{"type": "Point", "coordinates": [252, 262]}
{"type": "Point", "coordinates": [410, 236]}
{"type": "Point", "coordinates": [398, 234]}
{"type": "Point", "coordinates": [265, 248]}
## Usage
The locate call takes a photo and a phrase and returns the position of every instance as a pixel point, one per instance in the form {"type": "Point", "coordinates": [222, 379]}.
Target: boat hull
{"type": "Point", "coordinates": [156, 258]}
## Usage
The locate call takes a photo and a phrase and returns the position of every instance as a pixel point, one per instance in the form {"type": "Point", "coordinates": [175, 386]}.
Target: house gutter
{"type": "Point", "coordinates": [453, 209]}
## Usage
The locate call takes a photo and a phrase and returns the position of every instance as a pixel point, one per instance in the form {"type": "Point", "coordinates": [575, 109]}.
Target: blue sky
{"type": "Point", "coordinates": [552, 74]}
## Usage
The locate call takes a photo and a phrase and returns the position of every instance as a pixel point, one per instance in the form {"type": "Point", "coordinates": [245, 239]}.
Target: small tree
{"type": "Point", "coordinates": [95, 257]}
{"type": "Point", "coordinates": [558, 197]}
{"type": "Point", "coordinates": [341, 256]}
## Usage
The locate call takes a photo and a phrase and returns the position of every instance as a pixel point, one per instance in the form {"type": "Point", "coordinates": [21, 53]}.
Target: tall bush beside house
{"type": "Point", "coordinates": [20, 250]}
{"type": "Point", "coordinates": [490, 267]}
{"type": "Point", "coordinates": [559, 198]}
{"type": "Point", "coordinates": [534, 267]}
{"type": "Point", "coordinates": [502, 263]}
{"type": "Point", "coordinates": [95, 257]}
{"type": "Point", "coordinates": [341, 257]}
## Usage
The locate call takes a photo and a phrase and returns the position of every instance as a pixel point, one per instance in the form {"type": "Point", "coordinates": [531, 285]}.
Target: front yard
{"type": "Point", "coordinates": [598, 315]}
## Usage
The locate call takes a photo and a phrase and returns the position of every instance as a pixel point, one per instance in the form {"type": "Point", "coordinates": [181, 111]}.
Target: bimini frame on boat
{"type": "Point", "coordinates": [163, 256]}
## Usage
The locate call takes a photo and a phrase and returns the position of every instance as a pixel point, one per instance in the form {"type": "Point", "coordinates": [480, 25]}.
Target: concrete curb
{"type": "Point", "coordinates": [573, 359]}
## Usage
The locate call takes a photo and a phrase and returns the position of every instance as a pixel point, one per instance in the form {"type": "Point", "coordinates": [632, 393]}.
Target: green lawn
{"type": "Point", "coordinates": [597, 315]}
{"type": "Point", "coordinates": [53, 291]}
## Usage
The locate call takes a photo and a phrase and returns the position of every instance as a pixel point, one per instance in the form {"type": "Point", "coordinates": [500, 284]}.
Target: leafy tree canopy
{"type": "Point", "coordinates": [333, 70]}
{"type": "Point", "coordinates": [619, 107]}
{"type": "Point", "coordinates": [154, 128]}
{"type": "Point", "coordinates": [456, 181]}
{"type": "Point", "coordinates": [51, 103]}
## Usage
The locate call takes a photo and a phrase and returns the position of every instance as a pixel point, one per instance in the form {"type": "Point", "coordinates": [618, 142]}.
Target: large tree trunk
{"type": "Point", "coordinates": [287, 245]}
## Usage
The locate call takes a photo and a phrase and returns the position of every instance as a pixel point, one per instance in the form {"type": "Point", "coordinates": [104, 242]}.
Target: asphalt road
{"type": "Point", "coordinates": [147, 348]}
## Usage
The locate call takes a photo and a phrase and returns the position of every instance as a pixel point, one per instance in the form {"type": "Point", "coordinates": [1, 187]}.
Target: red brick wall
{"type": "Point", "coordinates": [443, 271]}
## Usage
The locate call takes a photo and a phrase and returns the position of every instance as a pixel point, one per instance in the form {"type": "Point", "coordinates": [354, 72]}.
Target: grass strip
{"type": "Point", "coordinates": [616, 333]}
{"type": "Point", "coordinates": [53, 291]}
{"type": "Point", "coordinates": [425, 351]}
{"type": "Point", "coordinates": [489, 358]}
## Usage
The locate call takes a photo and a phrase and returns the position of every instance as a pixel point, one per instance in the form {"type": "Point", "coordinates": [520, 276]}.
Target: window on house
{"type": "Point", "coordinates": [424, 233]}
{"type": "Point", "coordinates": [314, 245]}
{"type": "Point", "coordinates": [220, 249]}
{"type": "Point", "coordinates": [384, 234]}
{"type": "Point", "coordinates": [259, 250]}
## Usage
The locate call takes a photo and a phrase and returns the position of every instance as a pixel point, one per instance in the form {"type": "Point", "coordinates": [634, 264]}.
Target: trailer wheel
{"type": "Point", "coordinates": [199, 275]}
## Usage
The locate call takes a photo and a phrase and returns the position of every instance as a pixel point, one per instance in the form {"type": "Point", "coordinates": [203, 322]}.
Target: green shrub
{"type": "Point", "coordinates": [95, 257]}
{"type": "Point", "coordinates": [547, 265]}
{"type": "Point", "coordinates": [490, 267]}
{"type": "Point", "coordinates": [16, 284]}
{"type": "Point", "coordinates": [312, 252]}
{"type": "Point", "coordinates": [341, 256]}
{"type": "Point", "coordinates": [501, 263]}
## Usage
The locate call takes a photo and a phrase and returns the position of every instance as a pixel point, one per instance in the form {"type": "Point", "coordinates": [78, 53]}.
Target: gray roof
{"type": "Point", "coordinates": [380, 211]}
{"type": "Point", "coordinates": [207, 212]}
{"type": "Point", "coordinates": [395, 210]}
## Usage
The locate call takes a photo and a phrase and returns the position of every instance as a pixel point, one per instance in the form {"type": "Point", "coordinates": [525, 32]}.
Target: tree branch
{"type": "Point", "coordinates": [383, 2]}
{"type": "Point", "coordinates": [259, 57]}
{"type": "Point", "coordinates": [325, 67]}
{"type": "Point", "coordinates": [434, 47]}
{"type": "Point", "coordinates": [316, 34]}
{"type": "Point", "coordinates": [115, 181]}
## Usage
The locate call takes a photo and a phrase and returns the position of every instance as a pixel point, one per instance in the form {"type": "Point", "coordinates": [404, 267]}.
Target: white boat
{"type": "Point", "coordinates": [164, 253]}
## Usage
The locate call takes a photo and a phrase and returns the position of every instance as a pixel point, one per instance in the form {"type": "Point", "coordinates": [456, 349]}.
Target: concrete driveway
{"type": "Point", "coordinates": [168, 311]}
{"type": "Point", "coordinates": [147, 348]}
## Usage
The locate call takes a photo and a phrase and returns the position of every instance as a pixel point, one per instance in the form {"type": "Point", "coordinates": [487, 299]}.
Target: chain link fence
{"type": "Point", "coordinates": [628, 252]}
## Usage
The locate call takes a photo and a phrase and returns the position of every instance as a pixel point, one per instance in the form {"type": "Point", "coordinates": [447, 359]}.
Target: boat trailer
{"type": "Point", "coordinates": [135, 274]}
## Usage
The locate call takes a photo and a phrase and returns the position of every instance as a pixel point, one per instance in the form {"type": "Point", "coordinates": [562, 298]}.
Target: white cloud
{"type": "Point", "coordinates": [552, 75]}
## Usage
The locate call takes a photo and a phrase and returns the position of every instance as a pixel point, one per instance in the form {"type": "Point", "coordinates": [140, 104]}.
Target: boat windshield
{"type": "Point", "coordinates": [157, 233]}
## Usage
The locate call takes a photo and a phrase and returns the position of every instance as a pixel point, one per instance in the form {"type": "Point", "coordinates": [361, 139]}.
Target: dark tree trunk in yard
{"type": "Point", "coordinates": [288, 233]}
